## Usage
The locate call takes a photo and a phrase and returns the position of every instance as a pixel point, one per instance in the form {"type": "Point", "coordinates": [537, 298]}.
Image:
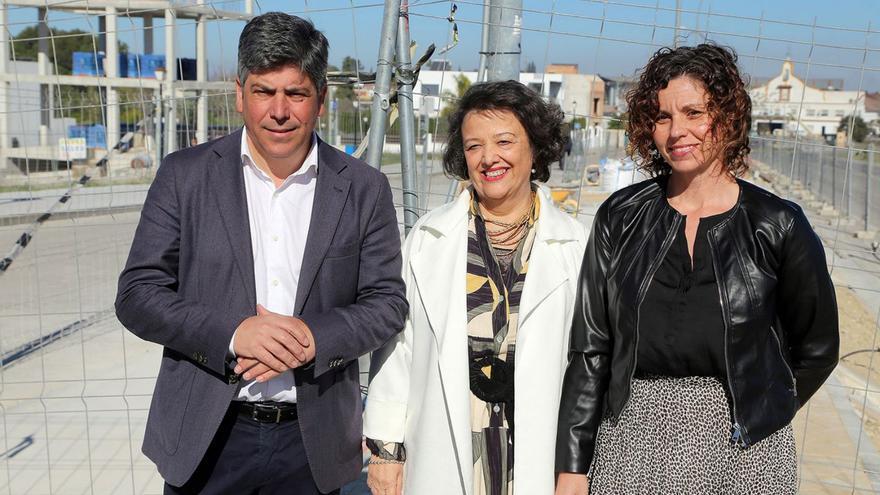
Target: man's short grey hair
{"type": "Point", "coordinates": [275, 40]}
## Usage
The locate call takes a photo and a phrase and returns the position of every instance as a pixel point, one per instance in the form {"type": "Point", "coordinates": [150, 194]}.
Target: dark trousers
{"type": "Point", "coordinates": [250, 458]}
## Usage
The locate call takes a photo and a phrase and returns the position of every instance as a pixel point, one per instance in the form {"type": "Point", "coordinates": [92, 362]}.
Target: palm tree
{"type": "Point", "coordinates": [462, 84]}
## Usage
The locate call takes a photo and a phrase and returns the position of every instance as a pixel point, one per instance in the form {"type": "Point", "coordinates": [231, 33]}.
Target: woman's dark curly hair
{"type": "Point", "coordinates": [729, 106]}
{"type": "Point", "coordinates": [541, 120]}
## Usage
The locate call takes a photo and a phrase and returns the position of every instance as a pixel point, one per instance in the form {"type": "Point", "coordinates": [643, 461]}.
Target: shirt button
{"type": "Point", "coordinates": [275, 283]}
{"type": "Point", "coordinates": [500, 299]}
{"type": "Point", "coordinates": [499, 339]}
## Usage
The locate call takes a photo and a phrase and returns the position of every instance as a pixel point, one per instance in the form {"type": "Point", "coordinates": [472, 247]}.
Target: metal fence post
{"type": "Point", "coordinates": [821, 167]}
{"type": "Point", "coordinates": [381, 103]}
{"type": "Point", "coordinates": [406, 80]}
{"type": "Point", "coordinates": [505, 33]}
{"type": "Point", "coordinates": [868, 184]}
{"type": "Point", "coordinates": [834, 176]}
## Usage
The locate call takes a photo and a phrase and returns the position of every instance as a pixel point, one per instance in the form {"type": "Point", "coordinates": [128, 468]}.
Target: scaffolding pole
{"type": "Point", "coordinates": [505, 33]}
{"type": "Point", "coordinates": [406, 80]}
{"type": "Point", "coordinates": [381, 94]}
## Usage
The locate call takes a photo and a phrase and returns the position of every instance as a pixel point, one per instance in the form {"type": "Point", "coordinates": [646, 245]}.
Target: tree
{"type": "Point", "coordinates": [345, 94]}
{"type": "Point", "coordinates": [462, 84]}
{"type": "Point", "coordinates": [859, 130]}
{"type": "Point", "coordinates": [618, 121]}
{"type": "Point", "coordinates": [530, 67]}
{"type": "Point", "coordinates": [25, 46]}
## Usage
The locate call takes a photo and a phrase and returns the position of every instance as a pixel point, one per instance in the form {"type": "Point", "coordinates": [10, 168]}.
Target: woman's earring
{"type": "Point", "coordinates": [533, 170]}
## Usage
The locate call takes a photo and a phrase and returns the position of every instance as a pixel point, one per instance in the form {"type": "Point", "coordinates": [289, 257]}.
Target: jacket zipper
{"type": "Point", "coordinates": [737, 432]}
{"type": "Point", "coordinates": [784, 362]}
{"type": "Point", "coordinates": [664, 248]}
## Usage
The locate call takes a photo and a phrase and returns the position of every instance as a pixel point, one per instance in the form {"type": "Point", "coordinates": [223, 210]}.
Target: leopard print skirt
{"type": "Point", "coordinates": [674, 438]}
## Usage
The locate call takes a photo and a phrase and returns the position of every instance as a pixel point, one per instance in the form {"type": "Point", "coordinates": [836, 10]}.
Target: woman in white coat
{"type": "Point", "coordinates": [491, 281]}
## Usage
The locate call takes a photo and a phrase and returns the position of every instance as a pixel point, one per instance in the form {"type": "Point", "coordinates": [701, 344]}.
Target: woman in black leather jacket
{"type": "Point", "coordinates": [706, 316]}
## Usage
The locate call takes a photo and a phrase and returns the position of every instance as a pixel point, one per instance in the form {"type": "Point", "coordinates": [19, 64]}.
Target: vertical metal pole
{"type": "Point", "coordinates": [484, 42]}
{"type": "Point", "coordinates": [170, 77]}
{"type": "Point", "coordinates": [834, 177]}
{"type": "Point", "coordinates": [407, 123]}
{"type": "Point", "coordinates": [821, 170]}
{"type": "Point", "coordinates": [848, 172]}
{"type": "Point", "coordinates": [159, 113]}
{"type": "Point", "coordinates": [4, 86]}
{"type": "Point", "coordinates": [111, 68]}
{"type": "Point", "coordinates": [381, 105]}
{"type": "Point", "coordinates": [677, 23]}
{"type": "Point", "coordinates": [148, 34]}
{"type": "Point", "coordinates": [868, 184]}
{"type": "Point", "coordinates": [43, 70]}
{"type": "Point", "coordinates": [505, 32]}
{"type": "Point", "coordinates": [201, 77]}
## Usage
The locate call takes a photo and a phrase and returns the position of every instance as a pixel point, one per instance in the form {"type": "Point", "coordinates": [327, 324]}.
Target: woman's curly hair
{"type": "Point", "coordinates": [541, 120]}
{"type": "Point", "coordinates": [729, 105]}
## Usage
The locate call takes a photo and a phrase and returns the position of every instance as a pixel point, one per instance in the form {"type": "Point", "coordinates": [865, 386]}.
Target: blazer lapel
{"type": "Point", "coordinates": [331, 192]}
{"type": "Point", "coordinates": [227, 190]}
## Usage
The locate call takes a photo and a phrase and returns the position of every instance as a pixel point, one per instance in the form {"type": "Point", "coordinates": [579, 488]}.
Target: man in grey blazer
{"type": "Point", "coordinates": [265, 263]}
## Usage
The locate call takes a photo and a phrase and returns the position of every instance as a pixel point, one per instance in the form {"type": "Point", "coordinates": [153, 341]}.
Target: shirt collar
{"type": "Point", "coordinates": [311, 161]}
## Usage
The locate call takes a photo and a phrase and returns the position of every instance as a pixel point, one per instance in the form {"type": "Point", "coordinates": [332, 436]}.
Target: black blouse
{"type": "Point", "coordinates": [681, 327]}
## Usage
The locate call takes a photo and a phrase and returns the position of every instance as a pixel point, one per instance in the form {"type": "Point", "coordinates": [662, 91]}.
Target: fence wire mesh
{"type": "Point", "coordinates": [80, 144]}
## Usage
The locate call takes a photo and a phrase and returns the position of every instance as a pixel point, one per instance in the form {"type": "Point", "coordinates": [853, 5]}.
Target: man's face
{"type": "Point", "coordinates": [280, 108]}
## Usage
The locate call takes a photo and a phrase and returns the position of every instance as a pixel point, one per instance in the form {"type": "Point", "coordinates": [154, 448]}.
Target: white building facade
{"type": "Point", "coordinates": [787, 102]}
{"type": "Point", "coordinates": [577, 94]}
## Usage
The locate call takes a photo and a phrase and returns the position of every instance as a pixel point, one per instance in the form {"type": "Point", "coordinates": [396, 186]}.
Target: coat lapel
{"type": "Point", "coordinates": [331, 192]}
{"type": "Point", "coordinates": [549, 268]}
{"type": "Point", "coordinates": [227, 189]}
{"type": "Point", "coordinates": [439, 269]}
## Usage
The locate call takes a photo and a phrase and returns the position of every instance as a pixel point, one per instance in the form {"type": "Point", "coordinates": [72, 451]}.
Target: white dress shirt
{"type": "Point", "coordinates": [279, 222]}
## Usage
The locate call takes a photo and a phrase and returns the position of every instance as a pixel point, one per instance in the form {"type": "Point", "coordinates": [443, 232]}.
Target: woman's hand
{"type": "Point", "coordinates": [572, 484]}
{"type": "Point", "coordinates": [385, 478]}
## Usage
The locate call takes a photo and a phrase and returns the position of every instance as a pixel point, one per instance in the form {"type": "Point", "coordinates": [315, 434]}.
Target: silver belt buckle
{"type": "Point", "coordinates": [277, 415]}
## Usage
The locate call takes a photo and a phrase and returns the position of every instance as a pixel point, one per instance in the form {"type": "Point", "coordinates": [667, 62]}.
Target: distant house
{"type": "Point", "coordinates": [787, 102]}
{"type": "Point", "coordinates": [578, 94]}
{"type": "Point", "coordinates": [872, 112]}
{"type": "Point", "coordinates": [615, 93]}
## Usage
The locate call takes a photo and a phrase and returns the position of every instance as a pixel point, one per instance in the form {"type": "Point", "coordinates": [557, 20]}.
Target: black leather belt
{"type": "Point", "coordinates": [268, 412]}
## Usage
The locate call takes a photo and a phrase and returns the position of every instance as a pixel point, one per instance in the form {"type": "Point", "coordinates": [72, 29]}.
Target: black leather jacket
{"type": "Point", "coordinates": [780, 313]}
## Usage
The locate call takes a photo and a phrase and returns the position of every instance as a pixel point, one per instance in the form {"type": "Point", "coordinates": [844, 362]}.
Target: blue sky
{"type": "Point", "coordinates": [572, 31]}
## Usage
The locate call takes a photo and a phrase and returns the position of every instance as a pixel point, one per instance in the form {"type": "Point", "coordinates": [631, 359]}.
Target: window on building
{"type": "Point", "coordinates": [536, 87]}
{"type": "Point", "coordinates": [784, 93]}
{"type": "Point", "coordinates": [823, 113]}
{"type": "Point", "coordinates": [811, 112]}
{"type": "Point", "coordinates": [595, 106]}
{"type": "Point", "coordinates": [554, 89]}
{"type": "Point", "coordinates": [839, 113]}
{"type": "Point", "coordinates": [430, 89]}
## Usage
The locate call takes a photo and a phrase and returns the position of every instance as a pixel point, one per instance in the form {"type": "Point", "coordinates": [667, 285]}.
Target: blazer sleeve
{"type": "Point", "coordinates": [807, 308]}
{"type": "Point", "coordinates": [587, 375]}
{"type": "Point", "coordinates": [390, 372]}
{"type": "Point", "coordinates": [342, 334]}
{"type": "Point", "coordinates": [147, 300]}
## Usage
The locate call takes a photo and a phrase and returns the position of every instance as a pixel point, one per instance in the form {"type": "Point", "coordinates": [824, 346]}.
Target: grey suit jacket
{"type": "Point", "coordinates": [189, 282]}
